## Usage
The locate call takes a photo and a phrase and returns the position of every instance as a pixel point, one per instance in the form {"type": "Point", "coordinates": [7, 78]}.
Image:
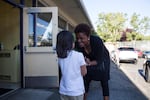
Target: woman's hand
{"type": "Point", "coordinates": [89, 62]}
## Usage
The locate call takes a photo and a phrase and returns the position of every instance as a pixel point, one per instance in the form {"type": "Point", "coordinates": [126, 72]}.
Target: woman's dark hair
{"type": "Point", "coordinates": [64, 43]}
{"type": "Point", "coordinates": [83, 28]}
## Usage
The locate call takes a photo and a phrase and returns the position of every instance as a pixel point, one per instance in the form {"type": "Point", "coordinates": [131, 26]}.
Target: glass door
{"type": "Point", "coordinates": [39, 41]}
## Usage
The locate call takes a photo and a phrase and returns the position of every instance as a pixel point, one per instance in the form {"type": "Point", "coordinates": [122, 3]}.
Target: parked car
{"type": "Point", "coordinates": [139, 52]}
{"type": "Point", "coordinates": [146, 54]}
{"type": "Point", "coordinates": [114, 57]}
{"type": "Point", "coordinates": [127, 54]}
{"type": "Point", "coordinates": [146, 70]}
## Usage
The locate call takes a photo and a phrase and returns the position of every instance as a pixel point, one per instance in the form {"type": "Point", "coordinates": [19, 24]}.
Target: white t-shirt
{"type": "Point", "coordinates": [72, 81]}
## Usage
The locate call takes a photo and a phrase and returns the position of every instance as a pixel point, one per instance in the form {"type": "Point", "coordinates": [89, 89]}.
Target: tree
{"type": "Point", "coordinates": [109, 25]}
{"type": "Point", "coordinates": [139, 25]}
{"type": "Point", "coordinates": [147, 37]}
{"type": "Point", "coordinates": [112, 26]}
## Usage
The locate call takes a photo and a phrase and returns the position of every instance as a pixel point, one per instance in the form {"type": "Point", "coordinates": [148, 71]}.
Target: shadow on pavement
{"type": "Point", "coordinates": [121, 88]}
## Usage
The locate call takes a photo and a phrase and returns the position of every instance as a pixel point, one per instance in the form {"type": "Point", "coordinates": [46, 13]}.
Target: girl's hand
{"type": "Point", "coordinates": [87, 60]}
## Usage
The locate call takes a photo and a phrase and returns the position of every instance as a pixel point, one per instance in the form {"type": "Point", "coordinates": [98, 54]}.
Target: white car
{"type": "Point", "coordinates": [127, 54]}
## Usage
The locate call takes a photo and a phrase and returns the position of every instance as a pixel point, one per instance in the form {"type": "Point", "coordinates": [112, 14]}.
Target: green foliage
{"type": "Point", "coordinates": [111, 25]}
{"type": "Point", "coordinates": [147, 37]}
{"type": "Point", "coordinates": [139, 37]}
{"type": "Point", "coordinates": [140, 25]}
{"type": "Point", "coordinates": [128, 36]}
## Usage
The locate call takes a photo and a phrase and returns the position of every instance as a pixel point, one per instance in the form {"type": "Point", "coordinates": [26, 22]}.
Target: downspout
{"type": "Point", "coordinates": [21, 45]}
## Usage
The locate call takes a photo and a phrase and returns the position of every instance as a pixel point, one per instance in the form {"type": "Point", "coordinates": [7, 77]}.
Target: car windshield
{"type": "Point", "coordinates": [126, 49]}
{"type": "Point", "coordinates": [147, 51]}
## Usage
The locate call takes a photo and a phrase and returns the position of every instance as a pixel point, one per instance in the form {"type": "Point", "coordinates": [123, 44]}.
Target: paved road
{"type": "Point", "coordinates": [134, 73]}
{"type": "Point", "coordinates": [121, 88]}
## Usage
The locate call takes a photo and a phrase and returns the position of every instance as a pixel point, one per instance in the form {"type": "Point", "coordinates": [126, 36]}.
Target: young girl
{"type": "Point", "coordinates": [73, 68]}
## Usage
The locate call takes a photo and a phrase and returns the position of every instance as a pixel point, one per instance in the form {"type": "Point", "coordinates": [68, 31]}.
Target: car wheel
{"type": "Point", "coordinates": [145, 57]}
{"type": "Point", "coordinates": [147, 74]}
{"type": "Point", "coordinates": [135, 61]}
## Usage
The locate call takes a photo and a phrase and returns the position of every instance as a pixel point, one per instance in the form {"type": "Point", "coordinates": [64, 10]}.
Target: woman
{"type": "Point", "coordinates": [96, 56]}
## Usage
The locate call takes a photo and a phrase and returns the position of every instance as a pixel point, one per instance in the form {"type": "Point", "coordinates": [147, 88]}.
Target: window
{"type": "Point", "coordinates": [40, 30]}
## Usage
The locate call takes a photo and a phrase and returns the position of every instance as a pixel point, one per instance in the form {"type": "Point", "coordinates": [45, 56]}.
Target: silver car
{"type": "Point", "coordinates": [146, 54]}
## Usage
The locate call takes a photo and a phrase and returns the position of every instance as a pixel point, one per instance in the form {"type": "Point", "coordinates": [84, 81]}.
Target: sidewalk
{"type": "Point", "coordinates": [33, 94]}
{"type": "Point", "coordinates": [121, 88]}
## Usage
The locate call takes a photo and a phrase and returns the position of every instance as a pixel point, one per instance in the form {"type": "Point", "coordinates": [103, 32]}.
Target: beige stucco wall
{"type": "Point", "coordinates": [9, 26]}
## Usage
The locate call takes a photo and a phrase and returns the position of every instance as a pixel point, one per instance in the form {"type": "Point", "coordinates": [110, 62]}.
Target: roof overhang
{"type": "Point", "coordinates": [72, 11]}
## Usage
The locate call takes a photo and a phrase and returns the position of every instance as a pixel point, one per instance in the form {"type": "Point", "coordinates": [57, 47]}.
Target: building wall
{"type": "Point", "coordinates": [9, 38]}
{"type": "Point", "coordinates": [9, 26]}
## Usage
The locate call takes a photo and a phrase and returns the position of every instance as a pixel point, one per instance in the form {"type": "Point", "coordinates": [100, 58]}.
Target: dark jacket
{"type": "Point", "coordinates": [99, 53]}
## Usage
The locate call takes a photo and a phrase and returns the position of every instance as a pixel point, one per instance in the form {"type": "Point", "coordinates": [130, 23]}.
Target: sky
{"type": "Point", "coordinates": [94, 7]}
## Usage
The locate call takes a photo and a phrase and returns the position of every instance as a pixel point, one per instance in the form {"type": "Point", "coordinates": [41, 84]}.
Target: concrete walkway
{"type": "Point", "coordinates": [121, 88]}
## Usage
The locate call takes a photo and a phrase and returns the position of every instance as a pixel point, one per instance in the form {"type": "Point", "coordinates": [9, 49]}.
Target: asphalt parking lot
{"type": "Point", "coordinates": [134, 73]}
{"type": "Point", "coordinates": [121, 86]}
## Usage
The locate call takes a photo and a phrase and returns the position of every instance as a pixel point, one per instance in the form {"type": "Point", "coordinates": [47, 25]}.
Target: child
{"type": "Point", "coordinates": [73, 67]}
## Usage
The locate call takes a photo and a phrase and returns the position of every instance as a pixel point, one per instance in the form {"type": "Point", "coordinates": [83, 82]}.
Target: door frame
{"type": "Point", "coordinates": [26, 48]}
